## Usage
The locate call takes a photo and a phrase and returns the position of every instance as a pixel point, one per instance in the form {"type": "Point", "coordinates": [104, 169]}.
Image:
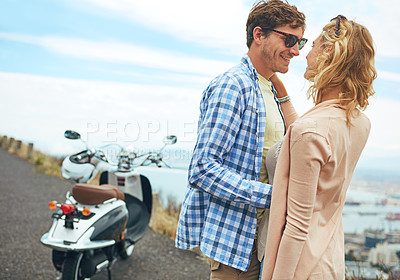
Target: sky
{"type": "Point", "coordinates": [133, 71]}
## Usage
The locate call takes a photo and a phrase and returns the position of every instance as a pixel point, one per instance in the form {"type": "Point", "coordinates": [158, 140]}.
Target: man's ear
{"type": "Point", "coordinates": [257, 34]}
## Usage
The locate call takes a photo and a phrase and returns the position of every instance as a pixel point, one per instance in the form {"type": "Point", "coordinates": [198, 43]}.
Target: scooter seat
{"type": "Point", "coordinates": [93, 194]}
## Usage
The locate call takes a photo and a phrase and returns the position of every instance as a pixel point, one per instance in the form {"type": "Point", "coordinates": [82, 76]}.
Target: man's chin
{"type": "Point", "coordinates": [283, 71]}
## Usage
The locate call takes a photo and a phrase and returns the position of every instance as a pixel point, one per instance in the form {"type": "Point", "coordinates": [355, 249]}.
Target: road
{"type": "Point", "coordinates": [24, 218]}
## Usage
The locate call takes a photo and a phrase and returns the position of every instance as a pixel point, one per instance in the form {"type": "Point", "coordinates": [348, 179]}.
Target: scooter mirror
{"type": "Point", "coordinates": [73, 135]}
{"type": "Point", "coordinates": [170, 140]}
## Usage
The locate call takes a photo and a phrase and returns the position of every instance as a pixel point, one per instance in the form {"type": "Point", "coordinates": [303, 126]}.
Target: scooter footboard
{"type": "Point", "coordinates": [139, 217]}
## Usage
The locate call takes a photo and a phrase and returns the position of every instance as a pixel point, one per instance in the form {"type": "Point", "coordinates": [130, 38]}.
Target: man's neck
{"type": "Point", "coordinates": [259, 65]}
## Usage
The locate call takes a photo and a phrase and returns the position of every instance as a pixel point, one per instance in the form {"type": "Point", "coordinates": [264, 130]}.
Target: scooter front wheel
{"type": "Point", "coordinates": [72, 267]}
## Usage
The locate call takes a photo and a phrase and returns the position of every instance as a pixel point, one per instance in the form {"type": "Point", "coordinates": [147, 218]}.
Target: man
{"type": "Point", "coordinates": [219, 212]}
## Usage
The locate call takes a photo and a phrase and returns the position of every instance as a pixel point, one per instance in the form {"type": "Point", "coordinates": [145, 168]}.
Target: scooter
{"type": "Point", "coordinates": [99, 223]}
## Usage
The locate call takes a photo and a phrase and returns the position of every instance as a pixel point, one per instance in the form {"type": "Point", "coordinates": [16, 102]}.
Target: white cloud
{"type": "Point", "coordinates": [216, 24]}
{"type": "Point", "coordinates": [384, 139]}
{"type": "Point", "coordinates": [390, 76]}
{"type": "Point", "coordinates": [384, 24]}
{"type": "Point", "coordinates": [123, 53]}
{"type": "Point", "coordinates": [196, 81]}
{"type": "Point", "coordinates": [221, 24]}
{"type": "Point", "coordinates": [40, 109]}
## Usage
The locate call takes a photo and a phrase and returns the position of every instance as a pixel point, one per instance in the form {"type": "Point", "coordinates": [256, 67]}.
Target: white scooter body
{"type": "Point", "coordinates": [85, 238]}
{"type": "Point", "coordinates": [62, 238]}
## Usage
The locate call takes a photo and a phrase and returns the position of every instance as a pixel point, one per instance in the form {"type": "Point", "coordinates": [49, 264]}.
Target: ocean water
{"type": "Point", "coordinates": [370, 214]}
{"type": "Point", "coordinates": [358, 218]}
{"type": "Point", "coordinates": [168, 182]}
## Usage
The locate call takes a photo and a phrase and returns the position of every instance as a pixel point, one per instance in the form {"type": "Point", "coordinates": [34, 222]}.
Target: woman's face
{"type": "Point", "coordinates": [312, 58]}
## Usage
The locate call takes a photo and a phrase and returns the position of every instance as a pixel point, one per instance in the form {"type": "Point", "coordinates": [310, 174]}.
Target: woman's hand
{"type": "Point", "coordinates": [279, 86]}
{"type": "Point", "coordinates": [289, 113]}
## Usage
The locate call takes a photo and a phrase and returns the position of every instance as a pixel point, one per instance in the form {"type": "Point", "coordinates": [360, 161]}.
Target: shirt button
{"type": "Point", "coordinates": [256, 133]}
{"type": "Point", "coordinates": [253, 227]}
{"type": "Point", "coordinates": [257, 111]}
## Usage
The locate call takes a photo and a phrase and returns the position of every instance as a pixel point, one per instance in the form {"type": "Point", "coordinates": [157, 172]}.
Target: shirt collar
{"type": "Point", "coordinates": [249, 65]}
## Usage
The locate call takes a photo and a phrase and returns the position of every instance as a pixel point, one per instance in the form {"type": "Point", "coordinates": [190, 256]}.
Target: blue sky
{"type": "Point", "coordinates": [133, 71]}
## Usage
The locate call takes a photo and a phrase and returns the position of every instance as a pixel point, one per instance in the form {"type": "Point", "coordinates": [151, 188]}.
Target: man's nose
{"type": "Point", "coordinates": [295, 50]}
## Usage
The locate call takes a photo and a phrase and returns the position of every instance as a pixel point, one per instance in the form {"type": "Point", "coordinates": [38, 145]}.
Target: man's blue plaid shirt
{"type": "Point", "coordinates": [219, 211]}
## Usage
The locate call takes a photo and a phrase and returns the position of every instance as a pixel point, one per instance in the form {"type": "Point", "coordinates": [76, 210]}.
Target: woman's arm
{"type": "Point", "coordinates": [288, 110]}
{"type": "Point", "coordinates": [308, 153]}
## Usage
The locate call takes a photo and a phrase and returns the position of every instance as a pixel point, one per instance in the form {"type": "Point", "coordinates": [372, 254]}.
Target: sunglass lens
{"type": "Point", "coordinates": [302, 42]}
{"type": "Point", "coordinates": [290, 41]}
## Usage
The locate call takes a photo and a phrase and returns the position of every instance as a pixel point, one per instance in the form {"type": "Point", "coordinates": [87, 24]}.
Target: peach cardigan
{"type": "Point", "coordinates": [316, 162]}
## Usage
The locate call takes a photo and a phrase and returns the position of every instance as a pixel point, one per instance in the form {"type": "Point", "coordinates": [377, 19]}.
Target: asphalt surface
{"type": "Point", "coordinates": [24, 218]}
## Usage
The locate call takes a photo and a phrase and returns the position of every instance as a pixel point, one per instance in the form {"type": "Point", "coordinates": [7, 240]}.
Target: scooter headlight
{"type": "Point", "coordinates": [80, 172]}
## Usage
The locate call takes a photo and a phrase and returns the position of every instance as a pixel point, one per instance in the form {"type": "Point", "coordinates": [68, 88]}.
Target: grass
{"type": "Point", "coordinates": [44, 164]}
{"type": "Point", "coordinates": [166, 218]}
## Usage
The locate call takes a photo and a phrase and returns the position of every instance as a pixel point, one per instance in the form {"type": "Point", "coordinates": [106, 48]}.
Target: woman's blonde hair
{"type": "Point", "coordinates": [347, 60]}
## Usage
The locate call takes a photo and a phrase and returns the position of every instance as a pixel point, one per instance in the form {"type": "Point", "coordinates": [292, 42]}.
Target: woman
{"type": "Point", "coordinates": [318, 156]}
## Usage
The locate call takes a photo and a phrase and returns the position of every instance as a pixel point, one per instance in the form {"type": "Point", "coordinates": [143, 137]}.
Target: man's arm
{"type": "Point", "coordinates": [221, 122]}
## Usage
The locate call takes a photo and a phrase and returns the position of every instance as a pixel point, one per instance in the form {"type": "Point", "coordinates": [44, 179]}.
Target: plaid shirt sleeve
{"type": "Point", "coordinates": [220, 125]}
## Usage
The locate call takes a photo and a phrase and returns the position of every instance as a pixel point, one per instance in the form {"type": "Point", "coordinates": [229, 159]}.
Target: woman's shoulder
{"type": "Point", "coordinates": [310, 130]}
{"type": "Point", "coordinates": [318, 123]}
{"type": "Point", "coordinates": [362, 118]}
{"type": "Point", "coordinates": [310, 124]}
{"type": "Point", "coordinates": [329, 123]}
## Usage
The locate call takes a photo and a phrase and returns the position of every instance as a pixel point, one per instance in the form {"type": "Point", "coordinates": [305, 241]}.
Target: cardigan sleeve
{"type": "Point", "coordinates": [309, 151]}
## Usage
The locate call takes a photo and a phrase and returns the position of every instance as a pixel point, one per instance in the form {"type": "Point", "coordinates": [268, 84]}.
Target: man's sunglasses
{"type": "Point", "coordinates": [338, 19]}
{"type": "Point", "coordinates": [290, 39]}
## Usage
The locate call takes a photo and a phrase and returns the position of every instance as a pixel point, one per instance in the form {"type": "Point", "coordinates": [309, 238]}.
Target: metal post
{"type": "Point", "coordinates": [18, 145]}
{"type": "Point", "coordinates": [4, 142]}
{"type": "Point", "coordinates": [30, 150]}
{"type": "Point", "coordinates": [11, 143]}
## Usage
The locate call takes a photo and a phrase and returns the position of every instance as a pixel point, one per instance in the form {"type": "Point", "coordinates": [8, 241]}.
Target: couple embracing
{"type": "Point", "coordinates": [267, 187]}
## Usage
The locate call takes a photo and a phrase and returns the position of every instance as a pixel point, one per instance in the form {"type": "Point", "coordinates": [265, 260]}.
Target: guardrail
{"type": "Point", "coordinates": [16, 147]}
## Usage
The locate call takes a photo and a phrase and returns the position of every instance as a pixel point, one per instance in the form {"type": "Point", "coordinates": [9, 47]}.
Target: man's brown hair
{"type": "Point", "coordinates": [271, 14]}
